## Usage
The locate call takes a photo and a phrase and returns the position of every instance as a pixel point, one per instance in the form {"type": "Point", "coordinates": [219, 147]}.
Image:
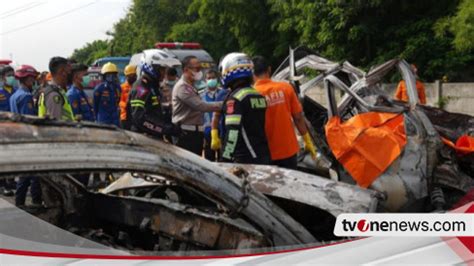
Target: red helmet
{"type": "Point", "coordinates": [25, 70]}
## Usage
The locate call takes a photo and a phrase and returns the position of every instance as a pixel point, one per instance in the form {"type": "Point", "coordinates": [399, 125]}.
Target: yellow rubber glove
{"type": "Point", "coordinates": [309, 145]}
{"type": "Point", "coordinates": [215, 140]}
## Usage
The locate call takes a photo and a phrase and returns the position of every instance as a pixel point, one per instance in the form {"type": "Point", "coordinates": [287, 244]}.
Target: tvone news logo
{"type": "Point", "coordinates": [350, 226]}
{"type": "Point", "coordinates": [406, 224]}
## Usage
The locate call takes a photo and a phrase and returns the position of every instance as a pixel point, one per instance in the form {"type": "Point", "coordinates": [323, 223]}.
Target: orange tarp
{"type": "Point", "coordinates": [464, 145]}
{"type": "Point", "coordinates": [366, 144]}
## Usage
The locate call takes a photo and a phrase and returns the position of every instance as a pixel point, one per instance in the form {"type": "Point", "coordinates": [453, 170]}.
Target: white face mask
{"type": "Point", "coordinates": [197, 75]}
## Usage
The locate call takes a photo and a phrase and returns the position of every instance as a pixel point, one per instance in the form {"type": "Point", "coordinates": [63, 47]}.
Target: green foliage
{"type": "Point", "coordinates": [91, 51]}
{"type": "Point", "coordinates": [437, 35]}
{"type": "Point", "coordinates": [444, 101]}
{"type": "Point", "coordinates": [461, 25]}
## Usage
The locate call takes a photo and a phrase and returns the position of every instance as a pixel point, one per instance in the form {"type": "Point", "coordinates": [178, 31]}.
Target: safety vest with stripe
{"type": "Point", "coordinates": [66, 114]}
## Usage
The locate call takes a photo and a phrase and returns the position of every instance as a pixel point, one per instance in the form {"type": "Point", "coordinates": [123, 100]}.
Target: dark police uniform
{"type": "Point", "coordinates": [145, 110]}
{"type": "Point", "coordinates": [245, 140]}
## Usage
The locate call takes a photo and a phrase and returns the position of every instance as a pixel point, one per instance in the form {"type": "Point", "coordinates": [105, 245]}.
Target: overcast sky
{"type": "Point", "coordinates": [31, 32]}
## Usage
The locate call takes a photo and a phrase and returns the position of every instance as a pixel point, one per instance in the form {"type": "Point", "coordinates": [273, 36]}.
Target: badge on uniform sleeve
{"type": "Point", "coordinates": [56, 99]}
{"type": "Point", "coordinates": [75, 104]}
{"type": "Point", "coordinates": [230, 107]}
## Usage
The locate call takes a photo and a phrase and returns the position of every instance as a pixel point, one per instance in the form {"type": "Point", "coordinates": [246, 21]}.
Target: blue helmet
{"type": "Point", "coordinates": [235, 66]}
{"type": "Point", "coordinates": [151, 71]}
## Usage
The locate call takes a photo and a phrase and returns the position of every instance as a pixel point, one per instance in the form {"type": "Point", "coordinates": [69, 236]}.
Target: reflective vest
{"type": "Point", "coordinates": [66, 114]}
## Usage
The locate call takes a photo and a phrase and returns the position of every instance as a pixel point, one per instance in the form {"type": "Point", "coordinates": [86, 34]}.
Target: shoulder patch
{"type": "Point", "coordinates": [230, 107]}
{"type": "Point", "coordinates": [141, 91]}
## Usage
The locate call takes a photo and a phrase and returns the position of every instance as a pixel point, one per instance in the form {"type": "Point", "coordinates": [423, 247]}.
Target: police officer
{"type": "Point", "coordinates": [244, 111]}
{"type": "Point", "coordinates": [78, 99]}
{"type": "Point", "coordinates": [188, 107]}
{"type": "Point", "coordinates": [107, 96]}
{"type": "Point", "coordinates": [21, 102]}
{"type": "Point", "coordinates": [53, 101]}
{"type": "Point", "coordinates": [145, 101]}
{"type": "Point", "coordinates": [7, 83]}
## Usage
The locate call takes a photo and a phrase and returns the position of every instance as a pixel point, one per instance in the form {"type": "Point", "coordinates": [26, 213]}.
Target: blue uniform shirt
{"type": "Point", "coordinates": [220, 97]}
{"type": "Point", "coordinates": [21, 102]}
{"type": "Point", "coordinates": [80, 103]}
{"type": "Point", "coordinates": [5, 98]}
{"type": "Point", "coordinates": [209, 96]}
{"type": "Point", "coordinates": [106, 99]}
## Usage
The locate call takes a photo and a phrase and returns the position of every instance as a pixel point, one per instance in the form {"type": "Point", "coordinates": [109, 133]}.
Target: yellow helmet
{"type": "Point", "coordinates": [130, 69]}
{"type": "Point", "coordinates": [109, 68]}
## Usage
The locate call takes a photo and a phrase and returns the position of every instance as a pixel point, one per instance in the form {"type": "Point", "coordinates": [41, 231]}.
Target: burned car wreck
{"type": "Point", "coordinates": [161, 198]}
{"type": "Point", "coordinates": [426, 175]}
{"type": "Point", "coordinates": [191, 204]}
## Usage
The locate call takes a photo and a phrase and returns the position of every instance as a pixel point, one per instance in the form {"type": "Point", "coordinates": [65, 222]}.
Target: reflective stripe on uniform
{"type": "Point", "coordinates": [67, 113]}
{"type": "Point", "coordinates": [154, 101]}
{"type": "Point", "coordinates": [247, 143]}
{"type": "Point", "coordinates": [233, 119]}
{"type": "Point", "coordinates": [231, 142]}
{"type": "Point", "coordinates": [244, 92]}
{"type": "Point", "coordinates": [135, 103]}
{"type": "Point", "coordinates": [41, 106]}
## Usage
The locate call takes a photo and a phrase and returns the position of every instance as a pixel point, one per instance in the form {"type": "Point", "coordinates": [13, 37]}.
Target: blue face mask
{"type": "Point", "coordinates": [36, 86]}
{"type": "Point", "coordinates": [171, 83]}
{"type": "Point", "coordinates": [11, 81]}
{"type": "Point", "coordinates": [212, 83]}
{"type": "Point", "coordinates": [85, 81]}
{"type": "Point", "coordinates": [110, 78]}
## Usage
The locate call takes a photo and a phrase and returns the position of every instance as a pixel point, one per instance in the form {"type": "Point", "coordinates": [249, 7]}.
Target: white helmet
{"type": "Point", "coordinates": [151, 59]}
{"type": "Point", "coordinates": [235, 66]}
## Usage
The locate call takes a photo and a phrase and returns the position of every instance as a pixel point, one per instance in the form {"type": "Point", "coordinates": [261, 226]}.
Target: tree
{"type": "Point", "coordinates": [362, 32]}
{"type": "Point", "coordinates": [146, 22]}
{"type": "Point", "coordinates": [229, 26]}
{"type": "Point", "coordinates": [91, 51]}
{"type": "Point", "coordinates": [461, 25]}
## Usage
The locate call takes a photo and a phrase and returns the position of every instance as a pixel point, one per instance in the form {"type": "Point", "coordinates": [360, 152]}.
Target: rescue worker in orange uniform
{"type": "Point", "coordinates": [401, 93]}
{"type": "Point", "coordinates": [284, 112]}
{"type": "Point", "coordinates": [131, 76]}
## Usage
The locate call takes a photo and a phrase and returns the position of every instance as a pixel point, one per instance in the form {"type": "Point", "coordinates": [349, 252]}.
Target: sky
{"type": "Point", "coordinates": [31, 32]}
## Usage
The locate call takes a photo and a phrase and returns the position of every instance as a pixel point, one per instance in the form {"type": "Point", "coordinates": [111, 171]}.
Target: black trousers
{"type": "Point", "coordinates": [22, 189]}
{"type": "Point", "coordinates": [290, 162]}
{"type": "Point", "coordinates": [191, 141]}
